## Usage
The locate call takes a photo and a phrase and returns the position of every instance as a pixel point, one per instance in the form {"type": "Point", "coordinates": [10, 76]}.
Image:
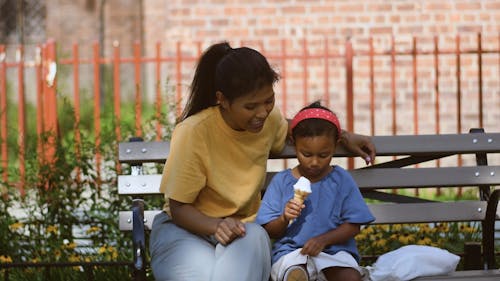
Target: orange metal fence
{"type": "Point", "coordinates": [46, 65]}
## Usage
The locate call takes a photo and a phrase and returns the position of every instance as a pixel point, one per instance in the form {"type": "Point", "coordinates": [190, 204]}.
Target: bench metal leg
{"type": "Point", "coordinates": [472, 256]}
{"type": "Point", "coordinates": [489, 231]}
{"type": "Point", "coordinates": [139, 240]}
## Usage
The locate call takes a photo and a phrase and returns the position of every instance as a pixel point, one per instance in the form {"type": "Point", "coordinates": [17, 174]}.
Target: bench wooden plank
{"type": "Point", "coordinates": [157, 151]}
{"type": "Point", "coordinates": [125, 219]}
{"type": "Point", "coordinates": [426, 177]}
{"type": "Point", "coordinates": [425, 212]}
{"type": "Point", "coordinates": [140, 184]}
{"type": "Point", "coordinates": [367, 179]}
{"type": "Point", "coordinates": [482, 275]}
{"type": "Point", "coordinates": [384, 213]}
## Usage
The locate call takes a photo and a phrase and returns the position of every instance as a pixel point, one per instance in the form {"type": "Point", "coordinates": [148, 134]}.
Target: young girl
{"type": "Point", "coordinates": [213, 175]}
{"type": "Point", "coordinates": [314, 240]}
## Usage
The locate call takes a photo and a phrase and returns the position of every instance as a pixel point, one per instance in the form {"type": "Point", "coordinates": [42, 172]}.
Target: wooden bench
{"type": "Point", "coordinates": [406, 168]}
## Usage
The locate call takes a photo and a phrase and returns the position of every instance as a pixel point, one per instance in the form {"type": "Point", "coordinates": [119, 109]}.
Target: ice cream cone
{"type": "Point", "coordinates": [301, 190]}
{"type": "Point", "coordinates": [299, 196]}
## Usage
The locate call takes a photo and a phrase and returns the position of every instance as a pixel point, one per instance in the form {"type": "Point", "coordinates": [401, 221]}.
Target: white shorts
{"type": "Point", "coordinates": [314, 264]}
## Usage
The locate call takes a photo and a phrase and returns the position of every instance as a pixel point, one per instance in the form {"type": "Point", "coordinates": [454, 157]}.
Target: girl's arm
{"type": "Point", "coordinates": [339, 235]}
{"type": "Point", "coordinates": [188, 217]}
{"type": "Point", "coordinates": [277, 227]}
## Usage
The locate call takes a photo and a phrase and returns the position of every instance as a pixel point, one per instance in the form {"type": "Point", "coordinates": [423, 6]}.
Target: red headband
{"type": "Point", "coordinates": [316, 113]}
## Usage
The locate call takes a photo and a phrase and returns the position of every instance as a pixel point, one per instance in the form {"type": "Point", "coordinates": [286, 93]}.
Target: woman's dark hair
{"type": "Point", "coordinates": [234, 72]}
{"type": "Point", "coordinates": [314, 127]}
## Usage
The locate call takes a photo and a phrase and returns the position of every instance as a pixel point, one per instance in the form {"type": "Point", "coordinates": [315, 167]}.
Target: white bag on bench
{"type": "Point", "coordinates": [412, 261]}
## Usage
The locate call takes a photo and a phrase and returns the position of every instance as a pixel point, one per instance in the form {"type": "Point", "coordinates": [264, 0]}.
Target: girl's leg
{"type": "Point", "coordinates": [177, 254]}
{"type": "Point", "coordinates": [341, 274]}
{"type": "Point", "coordinates": [246, 259]}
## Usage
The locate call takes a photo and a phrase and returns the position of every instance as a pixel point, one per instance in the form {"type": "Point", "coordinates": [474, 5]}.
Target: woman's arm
{"type": "Point", "coordinates": [188, 217]}
{"type": "Point", "coordinates": [359, 144]}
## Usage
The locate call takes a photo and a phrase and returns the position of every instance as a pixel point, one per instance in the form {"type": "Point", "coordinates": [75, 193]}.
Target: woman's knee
{"type": "Point", "coordinates": [256, 231]}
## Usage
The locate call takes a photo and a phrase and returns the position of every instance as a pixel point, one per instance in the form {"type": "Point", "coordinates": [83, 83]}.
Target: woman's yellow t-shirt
{"type": "Point", "coordinates": [219, 170]}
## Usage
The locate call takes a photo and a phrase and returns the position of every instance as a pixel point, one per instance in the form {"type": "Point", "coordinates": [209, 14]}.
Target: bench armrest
{"type": "Point", "coordinates": [139, 240]}
{"type": "Point", "coordinates": [489, 230]}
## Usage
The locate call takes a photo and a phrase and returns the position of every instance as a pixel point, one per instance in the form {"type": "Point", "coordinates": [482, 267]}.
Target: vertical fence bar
{"type": "Point", "coordinates": [21, 113]}
{"type": "Point", "coordinates": [436, 97]}
{"type": "Point", "coordinates": [436, 85]}
{"type": "Point", "coordinates": [305, 72]}
{"type": "Point", "coordinates": [393, 85]}
{"type": "Point", "coordinates": [458, 75]}
{"type": "Point", "coordinates": [76, 94]}
{"type": "Point", "coordinates": [40, 86]}
{"type": "Point", "coordinates": [138, 94]}
{"type": "Point", "coordinates": [393, 91]}
{"type": "Point", "coordinates": [178, 78]}
{"type": "Point", "coordinates": [117, 89]}
{"type": "Point", "coordinates": [415, 86]}
{"type": "Point", "coordinates": [283, 74]}
{"type": "Point", "coordinates": [284, 89]}
{"type": "Point", "coordinates": [117, 99]}
{"type": "Point", "coordinates": [97, 113]}
{"type": "Point", "coordinates": [3, 113]}
{"type": "Point", "coordinates": [480, 78]}
{"type": "Point", "coordinates": [372, 87]}
{"type": "Point", "coordinates": [326, 75]}
{"type": "Point", "coordinates": [459, 101]}
{"type": "Point", "coordinates": [415, 92]}
{"type": "Point", "coordinates": [50, 100]}
{"type": "Point", "coordinates": [158, 101]}
{"type": "Point", "coordinates": [349, 54]}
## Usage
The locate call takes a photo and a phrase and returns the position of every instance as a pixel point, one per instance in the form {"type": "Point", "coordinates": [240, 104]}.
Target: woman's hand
{"type": "Point", "coordinates": [359, 144]}
{"type": "Point", "coordinates": [229, 229]}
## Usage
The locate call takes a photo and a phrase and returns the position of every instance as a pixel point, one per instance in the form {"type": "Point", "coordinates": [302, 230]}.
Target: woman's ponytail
{"type": "Point", "coordinates": [203, 88]}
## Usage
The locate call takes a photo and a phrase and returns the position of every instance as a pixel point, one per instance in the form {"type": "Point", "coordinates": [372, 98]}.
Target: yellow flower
{"type": "Point", "coordinates": [70, 246]}
{"type": "Point", "coordinates": [361, 236]}
{"type": "Point", "coordinates": [424, 241]}
{"type": "Point", "coordinates": [35, 260]}
{"type": "Point", "coordinates": [5, 259]}
{"type": "Point", "coordinates": [102, 250]}
{"type": "Point", "coordinates": [424, 228]}
{"type": "Point", "coordinates": [51, 229]}
{"type": "Point", "coordinates": [380, 243]}
{"type": "Point", "coordinates": [367, 230]}
{"type": "Point", "coordinates": [465, 228]}
{"type": "Point", "coordinates": [15, 226]}
{"type": "Point", "coordinates": [74, 258]}
{"type": "Point", "coordinates": [93, 229]}
{"type": "Point", "coordinates": [406, 238]}
{"type": "Point", "coordinates": [396, 227]}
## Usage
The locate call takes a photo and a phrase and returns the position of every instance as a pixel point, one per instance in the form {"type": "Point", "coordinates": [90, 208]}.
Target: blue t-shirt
{"type": "Point", "coordinates": [334, 200]}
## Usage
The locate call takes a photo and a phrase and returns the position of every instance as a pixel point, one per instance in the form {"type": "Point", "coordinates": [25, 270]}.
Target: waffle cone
{"type": "Point", "coordinates": [299, 196]}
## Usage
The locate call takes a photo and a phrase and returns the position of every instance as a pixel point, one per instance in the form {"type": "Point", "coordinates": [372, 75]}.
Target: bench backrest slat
{"type": "Point", "coordinates": [367, 179]}
{"type": "Point", "coordinates": [425, 212]}
{"type": "Point", "coordinates": [137, 152]}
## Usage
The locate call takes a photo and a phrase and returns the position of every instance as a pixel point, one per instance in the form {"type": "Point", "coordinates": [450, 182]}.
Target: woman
{"type": "Point", "coordinates": [217, 164]}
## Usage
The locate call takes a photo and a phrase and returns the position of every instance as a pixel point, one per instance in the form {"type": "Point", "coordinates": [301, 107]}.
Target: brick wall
{"type": "Point", "coordinates": [263, 24]}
